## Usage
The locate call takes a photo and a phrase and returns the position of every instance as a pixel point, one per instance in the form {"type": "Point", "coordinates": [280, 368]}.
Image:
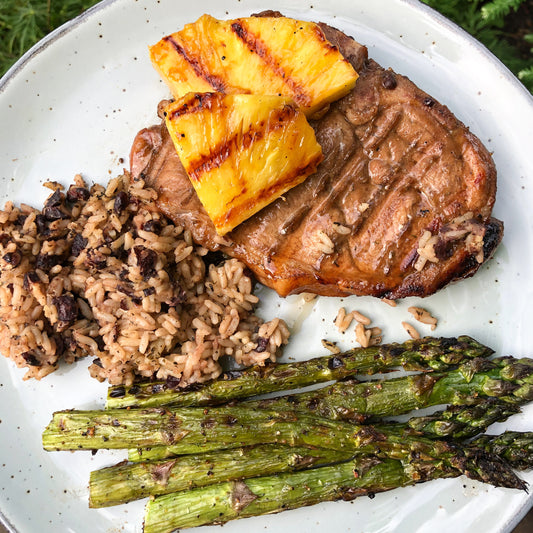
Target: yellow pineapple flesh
{"type": "Point", "coordinates": [255, 55]}
{"type": "Point", "coordinates": [242, 151]}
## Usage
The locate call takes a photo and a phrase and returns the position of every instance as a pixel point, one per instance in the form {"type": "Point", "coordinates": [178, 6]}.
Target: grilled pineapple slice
{"type": "Point", "coordinates": [242, 151]}
{"type": "Point", "coordinates": [257, 55]}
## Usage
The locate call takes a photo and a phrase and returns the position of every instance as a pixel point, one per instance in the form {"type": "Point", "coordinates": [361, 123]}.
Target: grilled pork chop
{"type": "Point", "coordinates": [400, 206]}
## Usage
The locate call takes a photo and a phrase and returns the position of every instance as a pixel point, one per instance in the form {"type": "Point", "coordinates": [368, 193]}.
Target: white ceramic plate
{"type": "Point", "coordinates": [74, 103]}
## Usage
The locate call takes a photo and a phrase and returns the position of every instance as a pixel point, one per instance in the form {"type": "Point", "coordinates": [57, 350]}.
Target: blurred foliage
{"type": "Point", "coordinates": [24, 22]}
{"type": "Point", "coordinates": [498, 24]}
{"type": "Point", "coordinates": [504, 26]}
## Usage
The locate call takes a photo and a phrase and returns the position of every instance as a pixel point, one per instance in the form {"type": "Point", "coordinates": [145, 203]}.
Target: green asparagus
{"type": "Point", "coordinates": [422, 354]}
{"type": "Point", "coordinates": [128, 481]}
{"type": "Point", "coordinates": [217, 504]}
{"type": "Point", "coordinates": [457, 421]}
{"type": "Point", "coordinates": [507, 378]}
{"type": "Point", "coordinates": [513, 446]}
{"type": "Point", "coordinates": [195, 429]}
{"type": "Point", "coordinates": [463, 421]}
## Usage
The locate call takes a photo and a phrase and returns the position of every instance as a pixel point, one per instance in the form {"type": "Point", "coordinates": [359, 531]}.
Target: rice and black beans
{"type": "Point", "coordinates": [100, 272]}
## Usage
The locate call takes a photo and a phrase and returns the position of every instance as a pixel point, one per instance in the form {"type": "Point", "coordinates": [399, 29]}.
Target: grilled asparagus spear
{"type": "Point", "coordinates": [196, 429]}
{"type": "Point", "coordinates": [422, 354]}
{"type": "Point", "coordinates": [457, 421]}
{"type": "Point", "coordinates": [513, 446]}
{"type": "Point", "coordinates": [462, 421]}
{"type": "Point", "coordinates": [217, 504]}
{"type": "Point", "coordinates": [125, 482]}
{"type": "Point", "coordinates": [506, 378]}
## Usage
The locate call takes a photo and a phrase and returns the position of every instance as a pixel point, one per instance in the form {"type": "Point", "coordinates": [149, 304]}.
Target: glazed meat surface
{"type": "Point", "coordinates": [400, 206]}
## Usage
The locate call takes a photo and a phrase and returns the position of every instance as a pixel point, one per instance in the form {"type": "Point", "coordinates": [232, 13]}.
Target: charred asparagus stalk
{"type": "Point", "coordinates": [506, 378]}
{"type": "Point", "coordinates": [513, 446]}
{"type": "Point", "coordinates": [256, 496]}
{"type": "Point", "coordinates": [194, 429]}
{"type": "Point", "coordinates": [271, 494]}
{"type": "Point", "coordinates": [463, 421]}
{"type": "Point", "coordinates": [422, 354]}
{"type": "Point", "coordinates": [126, 482]}
{"type": "Point", "coordinates": [457, 421]}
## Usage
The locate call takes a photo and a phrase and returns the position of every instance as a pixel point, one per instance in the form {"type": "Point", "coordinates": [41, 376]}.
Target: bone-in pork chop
{"type": "Point", "coordinates": [400, 206]}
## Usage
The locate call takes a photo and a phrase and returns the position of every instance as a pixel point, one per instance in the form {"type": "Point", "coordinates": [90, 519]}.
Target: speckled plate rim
{"type": "Point", "coordinates": [71, 25]}
{"type": "Point", "coordinates": [416, 4]}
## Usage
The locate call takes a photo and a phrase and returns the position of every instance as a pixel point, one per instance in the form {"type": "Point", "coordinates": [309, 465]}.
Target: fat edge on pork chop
{"type": "Point", "coordinates": [400, 206]}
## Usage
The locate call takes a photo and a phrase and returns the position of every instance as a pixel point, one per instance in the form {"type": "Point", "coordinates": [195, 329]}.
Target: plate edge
{"type": "Point", "coordinates": [478, 45]}
{"type": "Point", "coordinates": [415, 4]}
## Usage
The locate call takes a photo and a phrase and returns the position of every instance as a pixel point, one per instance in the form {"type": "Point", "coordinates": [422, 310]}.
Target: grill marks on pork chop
{"type": "Point", "coordinates": [397, 167]}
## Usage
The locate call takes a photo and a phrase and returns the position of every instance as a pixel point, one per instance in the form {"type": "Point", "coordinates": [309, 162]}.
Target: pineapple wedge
{"type": "Point", "coordinates": [258, 55]}
{"type": "Point", "coordinates": [241, 151]}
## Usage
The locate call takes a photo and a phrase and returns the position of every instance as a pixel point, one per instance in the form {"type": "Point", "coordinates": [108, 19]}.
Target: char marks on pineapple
{"type": "Point", "coordinates": [216, 82]}
{"type": "Point", "coordinates": [256, 46]}
{"type": "Point", "coordinates": [220, 152]}
{"type": "Point", "coordinates": [408, 180]}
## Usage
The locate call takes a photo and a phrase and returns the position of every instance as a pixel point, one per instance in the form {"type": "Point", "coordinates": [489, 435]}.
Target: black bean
{"type": "Point", "coordinates": [262, 343]}
{"type": "Point", "coordinates": [13, 258]}
{"type": "Point", "coordinates": [388, 80]}
{"type": "Point", "coordinates": [45, 262]}
{"type": "Point", "coordinates": [29, 278]}
{"type": "Point", "coordinates": [428, 101]}
{"type": "Point", "coordinates": [42, 225]}
{"type": "Point", "coordinates": [54, 199]}
{"type": "Point", "coordinates": [54, 213]}
{"type": "Point", "coordinates": [146, 260]}
{"type": "Point", "coordinates": [70, 344]}
{"type": "Point", "coordinates": [60, 345]}
{"type": "Point", "coordinates": [78, 244]}
{"type": "Point", "coordinates": [154, 226]}
{"type": "Point", "coordinates": [75, 194]}
{"type": "Point", "coordinates": [21, 219]}
{"type": "Point", "coordinates": [31, 359]}
{"type": "Point", "coordinates": [172, 382]}
{"type": "Point", "coordinates": [100, 343]}
{"type": "Point", "coordinates": [122, 200]}
{"type": "Point", "coordinates": [119, 392]}
{"type": "Point", "coordinates": [335, 362]}
{"type": "Point", "coordinates": [443, 249]}
{"type": "Point", "coordinates": [96, 259]}
{"type": "Point", "coordinates": [67, 308]}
